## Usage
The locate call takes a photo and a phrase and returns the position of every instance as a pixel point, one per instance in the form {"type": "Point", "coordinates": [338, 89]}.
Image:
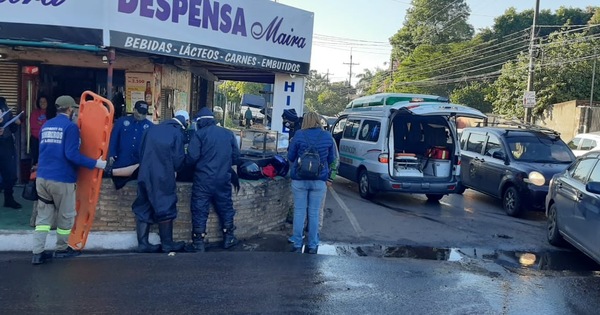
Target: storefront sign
{"type": "Point", "coordinates": [153, 45]}
{"type": "Point", "coordinates": [257, 34]}
{"type": "Point", "coordinates": [288, 93]}
{"type": "Point", "coordinates": [138, 87]}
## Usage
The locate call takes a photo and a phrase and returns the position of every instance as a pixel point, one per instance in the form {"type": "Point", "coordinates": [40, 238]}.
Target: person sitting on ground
{"type": "Point", "coordinates": [124, 147]}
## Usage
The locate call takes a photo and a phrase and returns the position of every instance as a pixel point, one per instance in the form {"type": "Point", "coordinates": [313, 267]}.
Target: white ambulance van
{"type": "Point", "coordinates": [404, 143]}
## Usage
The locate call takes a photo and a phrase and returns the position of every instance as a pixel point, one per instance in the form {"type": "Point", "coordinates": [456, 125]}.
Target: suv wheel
{"type": "Point", "coordinates": [364, 189]}
{"type": "Point", "coordinates": [511, 201]}
{"type": "Point", "coordinates": [553, 233]}
{"type": "Point", "coordinates": [434, 197]}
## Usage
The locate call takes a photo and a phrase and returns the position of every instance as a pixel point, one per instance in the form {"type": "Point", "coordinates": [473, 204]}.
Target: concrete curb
{"type": "Point", "coordinates": [17, 241]}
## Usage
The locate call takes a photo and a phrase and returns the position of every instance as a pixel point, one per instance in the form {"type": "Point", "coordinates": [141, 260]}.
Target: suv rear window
{"type": "Point", "coordinates": [539, 149]}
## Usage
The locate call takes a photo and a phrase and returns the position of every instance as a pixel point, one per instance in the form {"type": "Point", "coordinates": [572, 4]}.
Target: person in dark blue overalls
{"type": "Point", "coordinates": [213, 151]}
{"type": "Point", "coordinates": [124, 147]}
{"type": "Point", "coordinates": [162, 154]}
{"type": "Point", "coordinates": [8, 155]}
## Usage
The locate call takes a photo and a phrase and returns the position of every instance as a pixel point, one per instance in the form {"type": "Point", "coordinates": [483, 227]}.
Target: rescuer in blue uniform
{"type": "Point", "coordinates": [56, 176]}
{"type": "Point", "coordinates": [213, 151]}
{"type": "Point", "coordinates": [124, 147]}
{"type": "Point", "coordinates": [161, 156]}
{"type": "Point", "coordinates": [8, 155]}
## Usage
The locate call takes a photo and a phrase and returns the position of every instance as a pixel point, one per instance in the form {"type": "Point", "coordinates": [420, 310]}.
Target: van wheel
{"type": "Point", "coordinates": [434, 197]}
{"type": "Point", "coordinates": [364, 189]}
{"type": "Point", "coordinates": [460, 189]}
{"type": "Point", "coordinates": [553, 233]}
{"type": "Point", "coordinates": [511, 201]}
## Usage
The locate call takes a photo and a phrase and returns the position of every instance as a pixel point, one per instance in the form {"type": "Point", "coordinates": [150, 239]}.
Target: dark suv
{"type": "Point", "coordinates": [513, 163]}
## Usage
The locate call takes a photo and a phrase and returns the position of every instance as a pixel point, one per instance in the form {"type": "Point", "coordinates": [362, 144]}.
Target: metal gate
{"type": "Point", "coordinates": [9, 83]}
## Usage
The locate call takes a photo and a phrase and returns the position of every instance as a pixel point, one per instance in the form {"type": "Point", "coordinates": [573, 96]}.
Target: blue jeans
{"type": "Point", "coordinates": [308, 197]}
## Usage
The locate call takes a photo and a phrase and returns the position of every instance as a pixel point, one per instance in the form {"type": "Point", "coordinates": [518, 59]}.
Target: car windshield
{"type": "Point", "coordinates": [540, 150]}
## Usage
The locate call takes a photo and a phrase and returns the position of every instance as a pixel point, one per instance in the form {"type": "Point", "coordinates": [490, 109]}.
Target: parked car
{"type": "Point", "coordinates": [584, 143]}
{"type": "Point", "coordinates": [512, 163]}
{"type": "Point", "coordinates": [573, 206]}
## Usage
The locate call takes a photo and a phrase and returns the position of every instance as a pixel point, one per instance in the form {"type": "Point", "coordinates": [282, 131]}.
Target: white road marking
{"type": "Point", "coordinates": [349, 214]}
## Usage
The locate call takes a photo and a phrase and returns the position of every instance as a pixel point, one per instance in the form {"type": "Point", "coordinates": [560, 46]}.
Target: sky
{"type": "Point", "coordinates": [367, 25]}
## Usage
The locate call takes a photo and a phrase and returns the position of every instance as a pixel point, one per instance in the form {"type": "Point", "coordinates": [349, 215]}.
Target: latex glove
{"type": "Point", "coordinates": [100, 163]}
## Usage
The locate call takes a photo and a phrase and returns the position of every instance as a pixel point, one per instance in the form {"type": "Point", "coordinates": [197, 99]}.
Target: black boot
{"type": "Point", "coordinates": [197, 245]}
{"type": "Point", "coordinates": [165, 230]}
{"type": "Point", "coordinates": [229, 240]}
{"type": "Point", "coordinates": [9, 200]}
{"type": "Point", "coordinates": [144, 246]}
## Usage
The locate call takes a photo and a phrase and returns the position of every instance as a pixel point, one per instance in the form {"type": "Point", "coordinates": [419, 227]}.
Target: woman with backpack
{"type": "Point", "coordinates": [312, 151]}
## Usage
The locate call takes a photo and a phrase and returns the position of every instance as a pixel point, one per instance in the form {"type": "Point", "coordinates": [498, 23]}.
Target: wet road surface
{"type": "Point", "coordinates": [255, 282]}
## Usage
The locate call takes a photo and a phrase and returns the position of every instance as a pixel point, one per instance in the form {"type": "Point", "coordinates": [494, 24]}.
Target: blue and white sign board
{"type": "Point", "coordinates": [252, 33]}
{"type": "Point", "coordinates": [288, 93]}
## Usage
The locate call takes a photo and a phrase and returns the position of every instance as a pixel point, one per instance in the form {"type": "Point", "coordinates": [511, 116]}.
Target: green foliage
{"type": "Point", "coordinates": [324, 97]}
{"type": "Point", "coordinates": [473, 95]}
{"type": "Point", "coordinates": [432, 23]}
{"type": "Point", "coordinates": [234, 90]}
{"type": "Point", "coordinates": [563, 73]}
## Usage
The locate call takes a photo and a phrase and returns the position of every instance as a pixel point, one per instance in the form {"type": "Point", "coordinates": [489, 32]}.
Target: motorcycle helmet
{"type": "Point", "coordinates": [281, 164]}
{"type": "Point", "coordinates": [249, 170]}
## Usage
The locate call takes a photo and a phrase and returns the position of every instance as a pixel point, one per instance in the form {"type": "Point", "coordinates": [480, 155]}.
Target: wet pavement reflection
{"type": "Point", "coordinates": [560, 260]}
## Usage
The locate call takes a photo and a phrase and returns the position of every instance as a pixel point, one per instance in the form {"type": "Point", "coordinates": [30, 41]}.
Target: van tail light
{"type": "Point", "coordinates": [384, 158]}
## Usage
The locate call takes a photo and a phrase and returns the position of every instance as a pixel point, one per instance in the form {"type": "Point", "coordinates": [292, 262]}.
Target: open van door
{"type": "Point", "coordinates": [438, 112]}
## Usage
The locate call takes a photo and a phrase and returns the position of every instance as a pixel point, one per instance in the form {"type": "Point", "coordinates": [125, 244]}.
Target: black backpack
{"type": "Point", "coordinates": [309, 164]}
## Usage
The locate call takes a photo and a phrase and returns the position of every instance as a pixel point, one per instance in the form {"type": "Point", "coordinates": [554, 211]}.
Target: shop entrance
{"type": "Point", "coordinates": [51, 81]}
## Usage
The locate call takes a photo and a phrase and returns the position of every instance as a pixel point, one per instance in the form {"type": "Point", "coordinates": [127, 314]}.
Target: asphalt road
{"type": "Point", "coordinates": [396, 254]}
{"type": "Point", "coordinates": [285, 283]}
{"type": "Point", "coordinates": [468, 220]}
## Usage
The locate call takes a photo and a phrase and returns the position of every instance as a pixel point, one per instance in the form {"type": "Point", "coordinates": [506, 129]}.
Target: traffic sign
{"type": "Point", "coordinates": [529, 99]}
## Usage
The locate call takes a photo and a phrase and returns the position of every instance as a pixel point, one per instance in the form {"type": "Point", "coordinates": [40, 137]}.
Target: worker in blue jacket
{"type": "Point", "coordinates": [8, 155]}
{"type": "Point", "coordinates": [124, 145]}
{"type": "Point", "coordinates": [161, 156]}
{"type": "Point", "coordinates": [213, 151]}
{"type": "Point", "coordinates": [56, 176]}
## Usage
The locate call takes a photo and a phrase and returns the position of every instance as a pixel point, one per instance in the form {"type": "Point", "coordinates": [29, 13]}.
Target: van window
{"type": "Point", "coordinates": [351, 129]}
{"type": "Point", "coordinates": [369, 131]}
{"type": "Point", "coordinates": [573, 144]}
{"type": "Point", "coordinates": [588, 144]}
{"type": "Point", "coordinates": [475, 142]}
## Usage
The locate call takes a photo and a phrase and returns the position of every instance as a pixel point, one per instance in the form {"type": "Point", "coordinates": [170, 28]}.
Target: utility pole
{"type": "Point", "coordinates": [327, 75]}
{"type": "Point", "coordinates": [351, 64]}
{"type": "Point", "coordinates": [586, 116]}
{"type": "Point", "coordinates": [593, 77]}
{"type": "Point", "coordinates": [528, 115]}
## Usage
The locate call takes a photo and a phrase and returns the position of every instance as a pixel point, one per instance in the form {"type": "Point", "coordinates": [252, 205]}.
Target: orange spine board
{"type": "Point", "coordinates": [95, 124]}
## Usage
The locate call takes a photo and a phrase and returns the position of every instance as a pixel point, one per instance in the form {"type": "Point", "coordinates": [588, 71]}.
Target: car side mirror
{"type": "Point", "coordinates": [593, 187]}
{"type": "Point", "coordinates": [499, 155]}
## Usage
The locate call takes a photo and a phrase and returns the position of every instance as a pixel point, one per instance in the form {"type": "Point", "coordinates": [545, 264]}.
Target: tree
{"type": "Point", "coordinates": [432, 23]}
{"type": "Point", "coordinates": [315, 85]}
{"type": "Point", "coordinates": [234, 90]}
{"type": "Point", "coordinates": [473, 95]}
{"type": "Point", "coordinates": [563, 73]}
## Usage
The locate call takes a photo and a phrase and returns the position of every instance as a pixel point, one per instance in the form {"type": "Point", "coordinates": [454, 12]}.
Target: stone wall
{"type": "Point", "coordinates": [260, 206]}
